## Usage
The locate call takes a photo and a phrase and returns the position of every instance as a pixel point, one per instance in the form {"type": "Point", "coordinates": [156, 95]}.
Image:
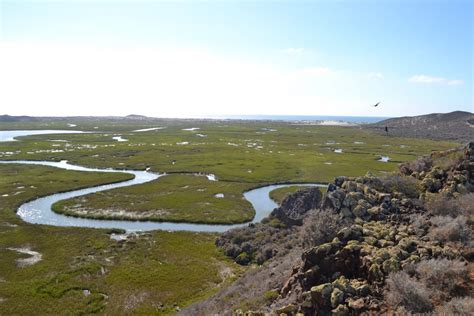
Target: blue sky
{"type": "Point", "coordinates": [184, 58]}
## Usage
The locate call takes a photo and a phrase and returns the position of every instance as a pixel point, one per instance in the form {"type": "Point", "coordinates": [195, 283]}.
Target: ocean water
{"type": "Point", "coordinates": [350, 119]}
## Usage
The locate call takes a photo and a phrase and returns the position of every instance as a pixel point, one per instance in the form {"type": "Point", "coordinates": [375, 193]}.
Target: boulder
{"type": "Point", "coordinates": [294, 206]}
{"type": "Point", "coordinates": [337, 297]}
{"type": "Point", "coordinates": [350, 233]}
{"type": "Point", "coordinates": [321, 294]}
{"type": "Point", "coordinates": [341, 310]}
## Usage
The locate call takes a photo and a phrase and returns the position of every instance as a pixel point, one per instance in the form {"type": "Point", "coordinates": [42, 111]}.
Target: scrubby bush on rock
{"type": "Point", "coordinates": [442, 204]}
{"type": "Point", "coordinates": [443, 276]}
{"type": "Point", "coordinates": [432, 281]}
{"type": "Point", "coordinates": [457, 306]}
{"type": "Point", "coordinates": [320, 226]}
{"type": "Point", "coordinates": [408, 292]}
{"type": "Point", "coordinates": [419, 165]}
{"type": "Point", "coordinates": [402, 184]}
{"type": "Point", "coordinates": [450, 229]}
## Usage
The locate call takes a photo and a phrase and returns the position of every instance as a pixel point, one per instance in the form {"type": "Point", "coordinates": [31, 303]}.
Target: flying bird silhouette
{"type": "Point", "coordinates": [377, 104]}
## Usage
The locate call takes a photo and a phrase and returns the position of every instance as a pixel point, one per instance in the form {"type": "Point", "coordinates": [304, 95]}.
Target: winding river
{"type": "Point", "coordinates": [39, 211]}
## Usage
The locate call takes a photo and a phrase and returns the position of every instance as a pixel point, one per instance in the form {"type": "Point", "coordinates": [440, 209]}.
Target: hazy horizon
{"type": "Point", "coordinates": [186, 59]}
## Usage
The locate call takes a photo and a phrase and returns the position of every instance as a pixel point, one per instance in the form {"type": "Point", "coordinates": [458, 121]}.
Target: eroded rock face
{"type": "Point", "coordinates": [294, 206]}
{"type": "Point", "coordinates": [345, 276]}
{"type": "Point", "coordinates": [456, 178]}
{"type": "Point", "coordinates": [389, 230]}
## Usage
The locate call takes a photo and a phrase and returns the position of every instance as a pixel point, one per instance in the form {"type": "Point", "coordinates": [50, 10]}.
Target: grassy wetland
{"type": "Point", "coordinates": [84, 271]}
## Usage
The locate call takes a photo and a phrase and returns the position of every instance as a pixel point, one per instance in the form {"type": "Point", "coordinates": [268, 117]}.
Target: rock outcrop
{"type": "Point", "coordinates": [294, 207]}
{"type": "Point", "coordinates": [388, 228]}
{"type": "Point", "coordinates": [347, 275]}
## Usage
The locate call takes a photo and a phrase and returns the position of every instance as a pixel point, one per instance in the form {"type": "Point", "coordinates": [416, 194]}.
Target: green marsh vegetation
{"type": "Point", "coordinates": [83, 270]}
{"type": "Point", "coordinates": [177, 197]}
{"type": "Point", "coordinates": [242, 154]}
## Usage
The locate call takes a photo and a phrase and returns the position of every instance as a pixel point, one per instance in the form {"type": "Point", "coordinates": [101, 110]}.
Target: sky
{"type": "Point", "coordinates": [221, 58]}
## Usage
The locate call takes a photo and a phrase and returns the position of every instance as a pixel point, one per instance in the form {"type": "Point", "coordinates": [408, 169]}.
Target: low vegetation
{"type": "Point", "coordinates": [395, 253]}
{"type": "Point", "coordinates": [241, 154]}
{"type": "Point", "coordinates": [172, 198]}
{"type": "Point", "coordinates": [433, 282]}
{"type": "Point", "coordinates": [84, 271]}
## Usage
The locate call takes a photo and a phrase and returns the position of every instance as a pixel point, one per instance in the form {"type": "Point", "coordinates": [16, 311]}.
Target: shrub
{"type": "Point", "coordinates": [243, 258]}
{"type": "Point", "coordinates": [457, 306]}
{"type": "Point", "coordinates": [450, 229]}
{"type": "Point", "coordinates": [465, 204]}
{"type": "Point", "coordinates": [441, 204]}
{"type": "Point", "coordinates": [320, 226]}
{"type": "Point", "coordinates": [419, 165]}
{"type": "Point", "coordinates": [408, 293]}
{"type": "Point", "coordinates": [419, 223]}
{"type": "Point", "coordinates": [448, 159]}
{"type": "Point", "coordinates": [403, 184]}
{"type": "Point", "coordinates": [442, 275]}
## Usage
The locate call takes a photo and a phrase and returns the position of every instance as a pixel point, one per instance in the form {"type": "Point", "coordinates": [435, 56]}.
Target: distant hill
{"type": "Point", "coordinates": [456, 126]}
{"type": "Point", "coordinates": [8, 118]}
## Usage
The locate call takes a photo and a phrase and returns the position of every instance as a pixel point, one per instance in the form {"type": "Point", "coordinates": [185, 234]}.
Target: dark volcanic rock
{"type": "Point", "coordinates": [294, 206]}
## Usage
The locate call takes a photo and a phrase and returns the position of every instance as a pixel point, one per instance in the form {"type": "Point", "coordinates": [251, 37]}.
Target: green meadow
{"type": "Point", "coordinates": [242, 154]}
{"type": "Point", "coordinates": [84, 271]}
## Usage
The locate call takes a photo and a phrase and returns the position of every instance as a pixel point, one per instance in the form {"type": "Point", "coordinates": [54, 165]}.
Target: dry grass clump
{"type": "Point", "coordinates": [450, 229]}
{"type": "Point", "coordinates": [407, 292]}
{"type": "Point", "coordinates": [443, 276]}
{"type": "Point", "coordinates": [419, 165]}
{"type": "Point", "coordinates": [320, 226]}
{"type": "Point", "coordinates": [442, 204]}
{"type": "Point", "coordinates": [433, 282]}
{"type": "Point", "coordinates": [403, 184]}
{"type": "Point", "coordinates": [457, 306]}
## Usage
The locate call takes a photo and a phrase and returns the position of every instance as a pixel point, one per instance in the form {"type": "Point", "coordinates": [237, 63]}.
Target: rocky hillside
{"type": "Point", "coordinates": [370, 245]}
{"type": "Point", "coordinates": [457, 126]}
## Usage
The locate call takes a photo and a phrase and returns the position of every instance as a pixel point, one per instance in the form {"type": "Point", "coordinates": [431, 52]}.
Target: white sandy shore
{"type": "Point", "coordinates": [326, 123]}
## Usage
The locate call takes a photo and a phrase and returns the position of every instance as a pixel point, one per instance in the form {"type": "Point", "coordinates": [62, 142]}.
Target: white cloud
{"type": "Point", "coordinates": [434, 80]}
{"type": "Point", "coordinates": [45, 79]}
{"type": "Point", "coordinates": [315, 72]}
{"type": "Point", "coordinates": [293, 50]}
{"type": "Point", "coordinates": [375, 75]}
{"type": "Point", "coordinates": [39, 79]}
{"type": "Point", "coordinates": [455, 82]}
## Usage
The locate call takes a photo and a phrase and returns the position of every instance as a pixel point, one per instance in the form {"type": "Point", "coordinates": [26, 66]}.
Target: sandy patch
{"type": "Point", "coordinates": [25, 262]}
{"type": "Point", "coordinates": [148, 129]}
{"type": "Point", "coordinates": [119, 139]}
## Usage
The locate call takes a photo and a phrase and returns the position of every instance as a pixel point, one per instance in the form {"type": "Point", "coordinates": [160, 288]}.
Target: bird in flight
{"type": "Point", "coordinates": [377, 104]}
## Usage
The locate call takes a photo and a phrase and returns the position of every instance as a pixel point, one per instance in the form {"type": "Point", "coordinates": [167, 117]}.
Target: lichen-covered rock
{"type": "Point", "coordinates": [350, 233]}
{"type": "Point", "coordinates": [341, 310]}
{"type": "Point", "coordinates": [321, 294]}
{"type": "Point", "coordinates": [294, 206]}
{"type": "Point", "coordinates": [337, 297]}
{"type": "Point", "coordinates": [289, 309]}
{"type": "Point", "coordinates": [390, 232]}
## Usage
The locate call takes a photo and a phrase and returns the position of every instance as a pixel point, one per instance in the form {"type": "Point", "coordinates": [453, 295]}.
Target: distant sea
{"type": "Point", "coordinates": [350, 119]}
